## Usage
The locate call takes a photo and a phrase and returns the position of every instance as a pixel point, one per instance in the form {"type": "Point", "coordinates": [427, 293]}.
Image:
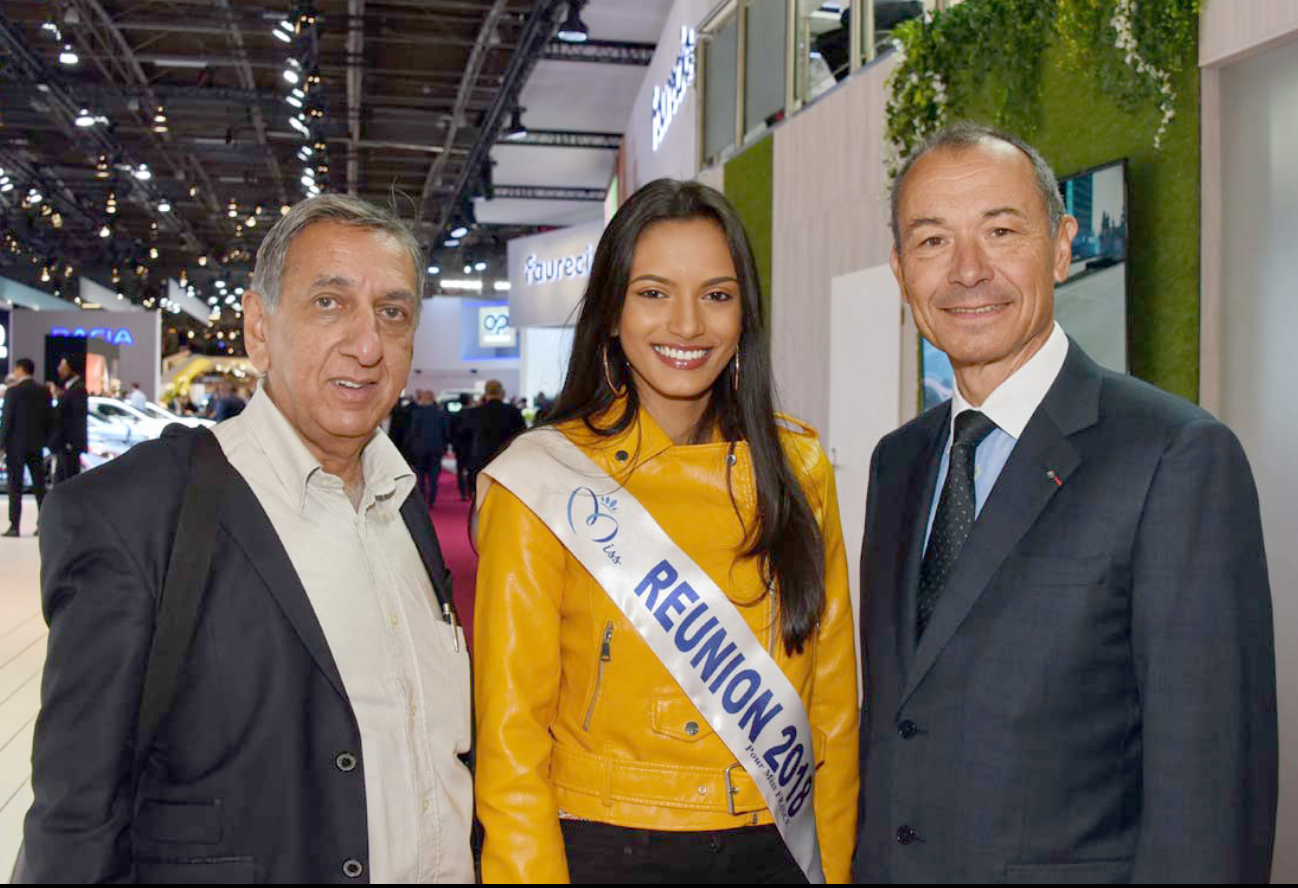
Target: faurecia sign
{"type": "Point", "coordinates": [667, 99]}
{"type": "Point", "coordinates": [120, 336]}
{"type": "Point", "coordinates": [543, 271]}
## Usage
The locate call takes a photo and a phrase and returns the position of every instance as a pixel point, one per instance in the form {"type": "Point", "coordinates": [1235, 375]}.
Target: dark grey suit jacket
{"type": "Point", "coordinates": [1094, 698]}
{"type": "Point", "coordinates": [257, 774]}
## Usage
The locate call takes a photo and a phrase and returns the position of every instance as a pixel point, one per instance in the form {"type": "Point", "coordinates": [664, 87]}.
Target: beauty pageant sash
{"type": "Point", "coordinates": [685, 618]}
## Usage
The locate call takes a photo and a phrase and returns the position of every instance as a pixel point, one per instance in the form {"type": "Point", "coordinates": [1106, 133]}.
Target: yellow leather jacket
{"type": "Point", "coordinates": [576, 716]}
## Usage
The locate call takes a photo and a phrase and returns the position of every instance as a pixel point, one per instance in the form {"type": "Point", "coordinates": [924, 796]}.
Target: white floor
{"type": "Point", "coordinates": [22, 657]}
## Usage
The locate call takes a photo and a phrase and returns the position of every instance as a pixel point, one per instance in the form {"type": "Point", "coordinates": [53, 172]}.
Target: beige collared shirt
{"type": "Point", "coordinates": [406, 671]}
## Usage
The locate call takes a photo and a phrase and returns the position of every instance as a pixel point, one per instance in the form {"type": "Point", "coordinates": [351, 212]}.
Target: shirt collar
{"type": "Point", "coordinates": [388, 479]}
{"type": "Point", "coordinates": [1013, 402]}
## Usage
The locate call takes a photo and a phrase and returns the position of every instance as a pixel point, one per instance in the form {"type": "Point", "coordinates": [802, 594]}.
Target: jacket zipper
{"type": "Point", "coordinates": [605, 655]}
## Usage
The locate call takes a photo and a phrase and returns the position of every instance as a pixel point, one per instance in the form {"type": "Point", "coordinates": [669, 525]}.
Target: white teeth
{"type": "Point", "coordinates": [983, 310]}
{"type": "Point", "coordinates": [345, 384]}
{"type": "Point", "coordinates": [680, 354]}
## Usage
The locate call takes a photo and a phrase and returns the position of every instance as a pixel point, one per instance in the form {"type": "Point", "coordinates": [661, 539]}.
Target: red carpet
{"type": "Point", "coordinates": [451, 519]}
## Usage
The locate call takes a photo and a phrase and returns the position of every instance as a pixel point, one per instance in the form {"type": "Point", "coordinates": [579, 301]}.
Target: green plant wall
{"type": "Point", "coordinates": [1081, 126]}
{"type": "Point", "coordinates": [749, 181]}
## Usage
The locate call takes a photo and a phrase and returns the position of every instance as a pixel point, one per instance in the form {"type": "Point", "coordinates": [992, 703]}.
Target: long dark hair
{"type": "Point", "coordinates": [785, 535]}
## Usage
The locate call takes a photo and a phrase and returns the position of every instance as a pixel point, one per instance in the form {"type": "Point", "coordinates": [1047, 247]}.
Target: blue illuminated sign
{"type": "Point", "coordinates": [120, 336]}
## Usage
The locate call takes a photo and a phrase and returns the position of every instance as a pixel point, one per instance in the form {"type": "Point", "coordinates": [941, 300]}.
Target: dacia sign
{"type": "Point", "coordinates": [119, 336]}
{"type": "Point", "coordinates": [667, 99]}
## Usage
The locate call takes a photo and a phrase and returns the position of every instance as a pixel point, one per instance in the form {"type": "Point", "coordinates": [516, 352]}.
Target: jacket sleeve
{"type": "Point", "coordinates": [1204, 650]}
{"type": "Point", "coordinates": [521, 577]}
{"type": "Point", "coordinates": [834, 699]}
{"type": "Point", "coordinates": [100, 613]}
{"type": "Point", "coordinates": [7, 421]}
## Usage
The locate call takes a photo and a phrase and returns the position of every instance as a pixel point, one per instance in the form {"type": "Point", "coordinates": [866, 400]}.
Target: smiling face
{"type": "Point", "coordinates": [336, 351]}
{"type": "Point", "coordinates": [682, 318]}
{"type": "Point", "coordinates": [978, 263]}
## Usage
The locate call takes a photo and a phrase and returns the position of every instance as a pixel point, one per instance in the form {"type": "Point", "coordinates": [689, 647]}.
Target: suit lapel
{"type": "Point", "coordinates": [245, 520]}
{"type": "Point", "coordinates": [923, 478]}
{"type": "Point", "coordinates": [1025, 486]}
{"type": "Point", "coordinates": [414, 511]}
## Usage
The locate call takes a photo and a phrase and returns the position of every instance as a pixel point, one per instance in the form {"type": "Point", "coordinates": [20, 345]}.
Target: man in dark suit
{"type": "Point", "coordinates": [489, 427]}
{"type": "Point", "coordinates": [1066, 621]}
{"type": "Point", "coordinates": [425, 443]}
{"type": "Point", "coordinates": [22, 438]}
{"type": "Point", "coordinates": [322, 709]}
{"type": "Point", "coordinates": [70, 432]}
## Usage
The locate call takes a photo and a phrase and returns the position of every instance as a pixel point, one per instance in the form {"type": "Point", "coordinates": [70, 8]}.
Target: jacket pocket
{"type": "Point", "coordinates": [184, 822]}
{"type": "Point", "coordinates": [675, 716]}
{"type": "Point", "coordinates": [1091, 872]}
{"type": "Point", "coordinates": [204, 871]}
{"type": "Point", "coordinates": [605, 657]}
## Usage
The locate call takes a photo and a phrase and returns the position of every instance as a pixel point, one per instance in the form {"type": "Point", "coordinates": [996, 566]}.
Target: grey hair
{"type": "Point", "coordinates": [965, 134]}
{"type": "Point", "coordinates": [345, 210]}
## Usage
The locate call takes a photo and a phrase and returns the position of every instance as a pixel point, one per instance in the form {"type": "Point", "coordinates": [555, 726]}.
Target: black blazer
{"type": "Point", "coordinates": [70, 418]}
{"type": "Point", "coordinates": [1094, 698]}
{"type": "Point", "coordinates": [257, 773]}
{"type": "Point", "coordinates": [488, 428]}
{"type": "Point", "coordinates": [26, 418]}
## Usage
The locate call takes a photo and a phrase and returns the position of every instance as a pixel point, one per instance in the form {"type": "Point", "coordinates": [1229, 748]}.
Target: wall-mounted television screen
{"type": "Point", "coordinates": [1091, 305]}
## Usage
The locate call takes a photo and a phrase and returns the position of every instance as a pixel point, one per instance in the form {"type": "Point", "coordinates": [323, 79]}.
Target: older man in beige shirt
{"type": "Point", "coordinates": [324, 708]}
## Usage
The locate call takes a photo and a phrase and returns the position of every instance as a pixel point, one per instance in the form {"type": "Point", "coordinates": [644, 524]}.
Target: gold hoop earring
{"type": "Point", "coordinates": [608, 375]}
{"type": "Point", "coordinates": [736, 377]}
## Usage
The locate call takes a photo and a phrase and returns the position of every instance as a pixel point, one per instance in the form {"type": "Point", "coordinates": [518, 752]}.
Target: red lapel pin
{"type": "Point", "coordinates": [1054, 476]}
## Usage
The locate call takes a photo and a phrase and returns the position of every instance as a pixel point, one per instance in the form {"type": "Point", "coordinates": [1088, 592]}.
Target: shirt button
{"type": "Point", "coordinates": [907, 729]}
{"type": "Point", "coordinates": [353, 868]}
{"type": "Point", "coordinates": [414, 710]}
{"type": "Point", "coordinates": [731, 459]}
{"type": "Point", "coordinates": [906, 835]}
{"type": "Point", "coordinates": [345, 762]}
{"type": "Point", "coordinates": [395, 621]}
{"type": "Point", "coordinates": [622, 456]}
{"type": "Point", "coordinates": [427, 804]}
{"type": "Point", "coordinates": [691, 728]}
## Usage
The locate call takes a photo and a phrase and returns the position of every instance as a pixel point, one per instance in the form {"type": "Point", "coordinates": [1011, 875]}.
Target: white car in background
{"type": "Point", "coordinates": [112, 410]}
{"type": "Point", "coordinates": [157, 411]}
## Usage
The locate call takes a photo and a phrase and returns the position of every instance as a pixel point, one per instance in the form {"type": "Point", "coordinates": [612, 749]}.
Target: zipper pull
{"type": "Point", "coordinates": [606, 646]}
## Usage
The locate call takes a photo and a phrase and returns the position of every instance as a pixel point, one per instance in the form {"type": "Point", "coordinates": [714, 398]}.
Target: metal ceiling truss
{"type": "Point", "coordinates": [565, 139]}
{"type": "Point", "coordinates": [604, 52]}
{"type": "Point", "coordinates": [548, 192]}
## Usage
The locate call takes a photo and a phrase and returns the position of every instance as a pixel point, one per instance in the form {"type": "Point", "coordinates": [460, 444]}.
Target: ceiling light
{"type": "Point", "coordinates": [297, 124]}
{"type": "Point", "coordinates": [153, 252]}
{"type": "Point", "coordinates": [202, 260]}
{"type": "Point", "coordinates": [451, 243]}
{"type": "Point", "coordinates": [193, 191]}
{"type": "Point", "coordinates": [52, 28]}
{"type": "Point", "coordinates": [308, 181]}
{"type": "Point", "coordinates": [459, 232]}
{"type": "Point", "coordinates": [142, 172]}
{"type": "Point", "coordinates": [252, 222]}
{"type": "Point", "coordinates": [501, 286]}
{"type": "Point", "coordinates": [69, 55]}
{"type": "Point", "coordinates": [294, 101]}
{"type": "Point", "coordinates": [283, 30]}
{"type": "Point", "coordinates": [461, 285]}
{"type": "Point", "coordinates": [433, 269]}
{"type": "Point", "coordinates": [283, 210]}
{"type": "Point", "coordinates": [34, 197]}
{"type": "Point", "coordinates": [573, 29]}
{"type": "Point", "coordinates": [479, 266]}
{"type": "Point", "coordinates": [468, 269]}
{"type": "Point", "coordinates": [164, 206]}
{"type": "Point", "coordinates": [85, 118]}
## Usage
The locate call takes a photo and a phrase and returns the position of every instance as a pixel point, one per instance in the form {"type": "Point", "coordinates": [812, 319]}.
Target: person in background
{"type": "Point", "coordinates": [399, 424]}
{"type": "Point", "coordinates": [137, 398]}
{"type": "Point", "coordinates": [1067, 627]}
{"type": "Point", "coordinates": [23, 431]}
{"type": "Point", "coordinates": [460, 443]}
{"type": "Point", "coordinates": [594, 762]}
{"type": "Point", "coordinates": [425, 443]}
{"type": "Point", "coordinates": [318, 730]}
{"type": "Point", "coordinates": [228, 403]}
{"type": "Point", "coordinates": [70, 421]}
{"type": "Point", "coordinates": [489, 427]}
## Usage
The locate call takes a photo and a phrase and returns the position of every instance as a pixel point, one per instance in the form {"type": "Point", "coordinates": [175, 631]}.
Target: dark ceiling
{"type": "Point", "coordinates": [410, 97]}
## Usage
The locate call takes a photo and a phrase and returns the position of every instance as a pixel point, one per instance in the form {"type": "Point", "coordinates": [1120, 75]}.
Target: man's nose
{"type": "Point", "coordinates": [969, 265]}
{"type": "Point", "coordinates": [363, 341]}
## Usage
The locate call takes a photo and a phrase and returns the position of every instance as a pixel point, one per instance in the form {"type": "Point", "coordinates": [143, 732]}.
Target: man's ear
{"type": "Point", "coordinates": [256, 322]}
{"type": "Point", "coordinates": [1064, 247]}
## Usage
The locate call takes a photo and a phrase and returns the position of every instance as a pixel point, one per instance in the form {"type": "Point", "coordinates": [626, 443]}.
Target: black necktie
{"type": "Point", "coordinates": [956, 511]}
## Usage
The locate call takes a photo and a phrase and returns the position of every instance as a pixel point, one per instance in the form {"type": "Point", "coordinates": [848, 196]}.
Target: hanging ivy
{"type": "Point", "coordinates": [1134, 48]}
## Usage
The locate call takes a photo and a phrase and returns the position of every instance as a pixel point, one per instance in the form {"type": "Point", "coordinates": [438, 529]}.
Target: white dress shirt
{"type": "Point", "coordinates": [406, 671]}
{"type": "Point", "coordinates": [1010, 405]}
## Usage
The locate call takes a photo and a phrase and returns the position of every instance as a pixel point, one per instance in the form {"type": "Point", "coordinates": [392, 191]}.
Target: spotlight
{"type": "Point", "coordinates": [468, 269]}
{"type": "Point", "coordinates": [433, 269]}
{"type": "Point", "coordinates": [308, 181]}
{"type": "Point", "coordinates": [202, 260]}
{"type": "Point", "coordinates": [515, 130]}
{"type": "Point", "coordinates": [45, 274]}
{"type": "Point", "coordinates": [34, 196]}
{"type": "Point", "coordinates": [251, 222]}
{"type": "Point", "coordinates": [479, 266]}
{"type": "Point", "coordinates": [283, 210]}
{"type": "Point", "coordinates": [294, 101]}
{"type": "Point", "coordinates": [5, 185]}
{"type": "Point", "coordinates": [164, 206]}
{"type": "Point", "coordinates": [283, 30]}
{"type": "Point", "coordinates": [451, 243]}
{"type": "Point", "coordinates": [193, 191]}
{"type": "Point", "coordinates": [85, 118]}
{"type": "Point", "coordinates": [153, 252]}
{"type": "Point", "coordinates": [573, 29]}
{"type": "Point", "coordinates": [52, 28]}
{"type": "Point", "coordinates": [69, 55]}
{"type": "Point", "coordinates": [233, 209]}
{"type": "Point", "coordinates": [297, 124]}
{"type": "Point", "coordinates": [142, 172]}
{"type": "Point", "coordinates": [459, 232]}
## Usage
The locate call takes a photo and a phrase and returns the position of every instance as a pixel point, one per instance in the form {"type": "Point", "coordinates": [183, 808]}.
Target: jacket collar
{"type": "Point", "coordinates": [640, 442]}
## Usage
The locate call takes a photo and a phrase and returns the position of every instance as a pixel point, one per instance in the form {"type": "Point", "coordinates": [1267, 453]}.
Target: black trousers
{"type": "Point", "coordinates": [599, 852]}
{"type": "Point", "coordinates": [427, 466]}
{"type": "Point", "coordinates": [69, 464]}
{"type": "Point", "coordinates": [14, 465]}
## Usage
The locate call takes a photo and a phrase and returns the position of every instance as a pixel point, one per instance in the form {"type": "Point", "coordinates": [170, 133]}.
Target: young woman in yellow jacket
{"type": "Point", "coordinates": [592, 763]}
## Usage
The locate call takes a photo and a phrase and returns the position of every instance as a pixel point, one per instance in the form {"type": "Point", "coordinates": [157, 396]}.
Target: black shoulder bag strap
{"type": "Point", "coordinates": [181, 598]}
